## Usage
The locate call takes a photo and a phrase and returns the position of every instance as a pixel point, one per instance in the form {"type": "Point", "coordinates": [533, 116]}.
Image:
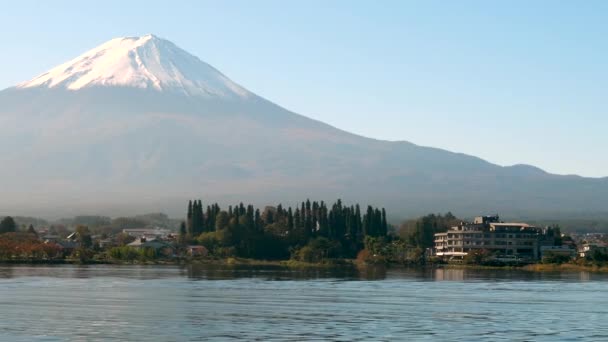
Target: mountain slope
{"type": "Point", "coordinates": [73, 143]}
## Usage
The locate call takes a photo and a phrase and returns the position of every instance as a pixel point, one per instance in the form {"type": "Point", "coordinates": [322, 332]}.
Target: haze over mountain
{"type": "Point", "coordinates": [138, 124]}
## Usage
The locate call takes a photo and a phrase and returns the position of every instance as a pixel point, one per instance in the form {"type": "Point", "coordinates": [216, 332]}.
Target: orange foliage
{"type": "Point", "coordinates": [23, 245]}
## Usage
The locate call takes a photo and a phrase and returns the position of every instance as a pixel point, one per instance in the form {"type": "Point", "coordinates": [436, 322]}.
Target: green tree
{"type": "Point", "coordinates": [222, 220]}
{"type": "Point", "coordinates": [32, 231]}
{"type": "Point", "coordinates": [211, 240]}
{"type": "Point", "coordinates": [84, 236]}
{"type": "Point", "coordinates": [123, 239]}
{"type": "Point", "coordinates": [384, 223]}
{"type": "Point", "coordinates": [189, 218]}
{"type": "Point", "coordinates": [8, 225]}
{"type": "Point", "coordinates": [183, 234]}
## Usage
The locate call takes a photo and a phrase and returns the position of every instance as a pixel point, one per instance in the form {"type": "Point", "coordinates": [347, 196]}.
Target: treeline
{"type": "Point", "coordinates": [26, 245]}
{"type": "Point", "coordinates": [421, 232]}
{"type": "Point", "coordinates": [280, 232]}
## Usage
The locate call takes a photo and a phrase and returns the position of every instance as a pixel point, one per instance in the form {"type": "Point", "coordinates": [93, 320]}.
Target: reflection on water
{"type": "Point", "coordinates": [215, 272]}
{"type": "Point", "coordinates": [222, 272]}
{"type": "Point", "coordinates": [202, 302]}
{"type": "Point", "coordinates": [455, 274]}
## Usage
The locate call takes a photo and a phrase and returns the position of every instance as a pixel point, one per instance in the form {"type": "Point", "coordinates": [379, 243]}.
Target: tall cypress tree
{"type": "Point", "coordinates": [359, 223]}
{"type": "Point", "coordinates": [259, 225]}
{"type": "Point", "coordinates": [384, 231]}
{"type": "Point", "coordinates": [183, 233]}
{"type": "Point", "coordinates": [197, 218]}
{"type": "Point", "coordinates": [250, 219]}
{"type": "Point", "coordinates": [297, 221]}
{"type": "Point", "coordinates": [192, 230]}
{"type": "Point", "coordinates": [308, 222]}
{"type": "Point", "coordinates": [377, 222]}
{"type": "Point", "coordinates": [279, 210]}
{"type": "Point", "coordinates": [368, 222]}
{"type": "Point", "coordinates": [290, 220]}
{"type": "Point", "coordinates": [304, 221]}
{"type": "Point", "coordinates": [210, 222]}
{"type": "Point", "coordinates": [189, 218]}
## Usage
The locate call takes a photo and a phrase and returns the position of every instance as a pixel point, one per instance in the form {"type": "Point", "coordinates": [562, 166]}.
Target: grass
{"type": "Point", "coordinates": [567, 267]}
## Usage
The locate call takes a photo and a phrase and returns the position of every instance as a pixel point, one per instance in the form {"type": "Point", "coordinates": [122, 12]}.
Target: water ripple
{"type": "Point", "coordinates": [99, 303]}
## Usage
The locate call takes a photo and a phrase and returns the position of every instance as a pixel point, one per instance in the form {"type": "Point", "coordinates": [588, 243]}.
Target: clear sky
{"type": "Point", "coordinates": [510, 81]}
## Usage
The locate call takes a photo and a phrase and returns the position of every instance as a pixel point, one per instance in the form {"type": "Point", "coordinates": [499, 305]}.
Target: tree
{"type": "Point", "coordinates": [276, 232]}
{"type": "Point", "coordinates": [8, 225]}
{"type": "Point", "coordinates": [183, 233]}
{"type": "Point", "coordinates": [221, 221]}
{"type": "Point", "coordinates": [477, 256]}
{"type": "Point", "coordinates": [122, 239]}
{"type": "Point", "coordinates": [84, 236]}
{"type": "Point", "coordinates": [384, 224]}
{"type": "Point", "coordinates": [189, 218]}
{"type": "Point", "coordinates": [198, 219]}
{"type": "Point", "coordinates": [421, 232]}
{"type": "Point", "coordinates": [32, 231]}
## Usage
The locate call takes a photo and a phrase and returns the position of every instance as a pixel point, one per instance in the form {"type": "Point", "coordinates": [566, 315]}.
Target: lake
{"type": "Point", "coordinates": [193, 303]}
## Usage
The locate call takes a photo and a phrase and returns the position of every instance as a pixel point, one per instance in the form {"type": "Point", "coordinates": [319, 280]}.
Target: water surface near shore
{"type": "Point", "coordinates": [197, 302]}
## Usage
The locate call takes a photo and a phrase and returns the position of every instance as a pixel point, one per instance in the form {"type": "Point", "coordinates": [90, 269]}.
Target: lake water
{"type": "Point", "coordinates": [171, 303]}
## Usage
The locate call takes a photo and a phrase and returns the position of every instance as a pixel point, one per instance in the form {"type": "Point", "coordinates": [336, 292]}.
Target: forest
{"type": "Point", "coordinates": [310, 232]}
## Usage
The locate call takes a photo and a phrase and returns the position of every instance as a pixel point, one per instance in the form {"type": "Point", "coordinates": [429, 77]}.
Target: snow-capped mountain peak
{"type": "Point", "coordinates": [146, 62]}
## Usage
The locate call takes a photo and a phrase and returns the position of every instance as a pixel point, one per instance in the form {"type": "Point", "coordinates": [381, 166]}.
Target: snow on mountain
{"type": "Point", "coordinates": [146, 62]}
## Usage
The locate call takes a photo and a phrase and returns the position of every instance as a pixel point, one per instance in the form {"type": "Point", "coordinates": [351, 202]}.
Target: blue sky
{"type": "Point", "coordinates": [511, 82]}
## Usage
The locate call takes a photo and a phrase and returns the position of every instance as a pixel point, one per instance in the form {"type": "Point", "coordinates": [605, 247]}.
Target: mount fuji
{"type": "Point", "coordinates": [138, 124]}
{"type": "Point", "coordinates": [146, 62]}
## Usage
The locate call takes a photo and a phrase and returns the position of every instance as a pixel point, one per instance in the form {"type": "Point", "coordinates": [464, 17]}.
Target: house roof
{"type": "Point", "coordinates": [156, 244]}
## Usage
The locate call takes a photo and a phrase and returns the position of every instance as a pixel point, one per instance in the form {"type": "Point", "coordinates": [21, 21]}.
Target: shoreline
{"type": "Point", "coordinates": [328, 264]}
{"type": "Point", "coordinates": [540, 268]}
{"type": "Point", "coordinates": [230, 262]}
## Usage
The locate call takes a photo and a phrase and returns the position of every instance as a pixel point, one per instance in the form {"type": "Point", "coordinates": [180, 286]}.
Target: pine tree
{"type": "Point", "coordinates": [303, 226]}
{"type": "Point", "coordinates": [197, 218]}
{"type": "Point", "coordinates": [189, 218]}
{"type": "Point", "coordinates": [308, 222]}
{"type": "Point", "coordinates": [250, 218]}
{"type": "Point", "coordinates": [269, 217]}
{"type": "Point", "coordinates": [368, 222]}
{"type": "Point", "coordinates": [279, 210]}
{"type": "Point", "coordinates": [290, 220]}
{"type": "Point", "coordinates": [183, 233]}
{"type": "Point", "coordinates": [359, 223]}
{"type": "Point", "coordinates": [259, 224]}
{"type": "Point", "coordinates": [32, 231]}
{"type": "Point", "coordinates": [297, 220]}
{"type": "Point", "coordinates": [384, 231]}
{"type": "Point", "coordinates": [8, 225]}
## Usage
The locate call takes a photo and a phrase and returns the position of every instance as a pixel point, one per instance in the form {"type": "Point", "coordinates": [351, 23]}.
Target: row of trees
{"type": "Point", "coordinates": [421, 232]}
{"type": "Point", "coordinates": [24, 245]}
{"type": "Point", "coordinates": [278, 231]}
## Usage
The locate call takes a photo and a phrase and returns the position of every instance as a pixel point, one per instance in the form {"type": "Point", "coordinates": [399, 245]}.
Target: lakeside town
{"type": "Point", "coordinates": [312, 234]}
